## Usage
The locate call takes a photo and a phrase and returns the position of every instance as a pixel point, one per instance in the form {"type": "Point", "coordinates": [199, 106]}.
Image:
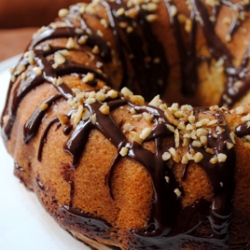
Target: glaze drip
{"type": "Point", "coordinates": [242, 129]}
{"type": "Point", "coordinates": [189, 60]}
{"type": "Point", "coordinates": [149, 62]}
{"type": "Point", "coordinates": [32, 125]}
{"type": "Point", "coordinates": [43, 139]}
{"type": "Point", "coordinates": [71, 32]}
{"type": "Point", "coordinates": [188, 57]}
{"type": "Point", "coordinates": [163, 223]}
{"type": "Point", "coordinates": [219, 50]}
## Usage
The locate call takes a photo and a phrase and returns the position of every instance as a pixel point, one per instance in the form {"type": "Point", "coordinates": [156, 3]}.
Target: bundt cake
{"type": "Point", "coordinates": [92, 122]}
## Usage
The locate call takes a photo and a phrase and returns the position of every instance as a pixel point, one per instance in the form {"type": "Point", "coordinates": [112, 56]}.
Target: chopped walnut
{"type": "Point", "coordinates": [198, 157]}
{"type": "Point", "coordinates": [151, 18]}
{"type": "Point", "coordinates": [63, 12]}
{"type": "Point", "coordinates": [145, 133]}
{"type": "Point", "coordinates": [71, 44]}
{"type": "Point", "coordinates": [166, 156]}
{"type": "Point", "coordinates": [124, 151]}
{"type": "Point", "coordinates": [105, 109]}
{"type": "Point", "coordinates": [126, 92]}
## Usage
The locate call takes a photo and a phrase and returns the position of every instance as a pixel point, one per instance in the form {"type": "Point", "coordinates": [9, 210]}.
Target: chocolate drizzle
{"type": "Point", "coordinates": [221, 178]}
{"type": "Point", "coordinates": [18, 92]}
{"type": "Point", "coordinates": [218, 213]}
{"type": "Point", "coordinates": [218, 51]}
{"type": "Point", "coordinates": [188, 57]}
{"type": "Point", "coordinates": [242, 129]}
{"type": "Point", "coordinates": [240, 77]}
{"type": "Point", "coordinates": [43, 139]}
{"type": "Point", "coordinates": [235, 24]}
{"type": "Point", "coordinates": [32, 125]}
{"type": "Point", "coordinates": [164, 224]}
{"type": "Point", "coordinates": [94, 226]}
{"type": "Point", "coordinates": [147, 54]}
{"type": "Point", "coordinates": [71, 32]}
{"type": "Point", "coordinates": [169, 225]}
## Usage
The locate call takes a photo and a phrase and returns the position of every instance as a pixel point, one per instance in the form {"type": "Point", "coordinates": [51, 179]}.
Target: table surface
{"type": "Point", "coordinates": [14, 41]}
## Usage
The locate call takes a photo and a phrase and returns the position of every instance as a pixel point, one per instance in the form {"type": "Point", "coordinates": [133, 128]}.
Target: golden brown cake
{"type": "Point", "coordinates": [119, 172]}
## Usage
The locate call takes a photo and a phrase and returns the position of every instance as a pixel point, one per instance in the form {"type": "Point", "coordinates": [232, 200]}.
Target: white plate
{"type": "Point", "coordinates": [24, 224]}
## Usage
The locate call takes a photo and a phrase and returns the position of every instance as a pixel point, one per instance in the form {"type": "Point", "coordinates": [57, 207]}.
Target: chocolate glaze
{"type": "Point", "coordinates": [67, 129]}
{"type": "Point", "coordinates": [221, 178]}
{"type": "Point", "coordinates": [240, 75]}
{"type": "Point", "coordinates": [32, 125]}
{"type": "Point", "coordinates": [17, 94]}
{"type": "Point", "coordinates": [75, 218]}
{"type": "Point", "coordinates": [217, 212]}
{"type": "Point", "coordinates": [93, 248]}
{"type": "Point", "coordinates": [93, 39]}
{"type": "Point", "coordinates": [219, 50]}
{"type": "Point", "coordinates": [236, 22]}
{"type": "Point", "coordinates": [80, 135]}
{"type": "Point", "coordinates": [242, 129]}
{"type": "Point", "coordinates": [92, 225]}
{"type": "Point", "coordinates": [164, 225]}
{"type": "Point", "coordinates": [43, 139]}
{"type": "Point", "coordinates": [169, 225]}
{"type": "Point", "coordinates": [153, 78]}
{"type": "Point", "coordinates": [70, 67]}
{"type": "Point", "coordinates": [188, 57]}
{"type": "Point", "coordinates": [150, 76]}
